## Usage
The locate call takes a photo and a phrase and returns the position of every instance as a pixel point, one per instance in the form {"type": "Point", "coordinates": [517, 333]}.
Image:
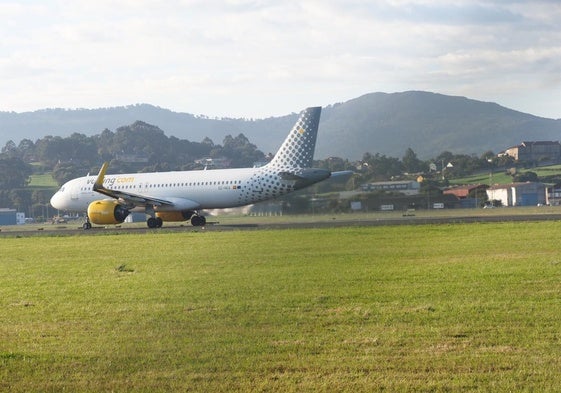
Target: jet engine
{"type": "Point", "coordinates": [175, 216]}
{"type": "Point", "coordinates": [104, 212]}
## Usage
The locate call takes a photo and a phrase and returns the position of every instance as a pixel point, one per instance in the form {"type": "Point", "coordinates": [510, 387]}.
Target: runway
{"type": "Point", "coordinates": [214, 224]}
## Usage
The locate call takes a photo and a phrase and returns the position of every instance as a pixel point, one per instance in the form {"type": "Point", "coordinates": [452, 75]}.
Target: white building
{"type": "Point", "coordinates": [518, 194]}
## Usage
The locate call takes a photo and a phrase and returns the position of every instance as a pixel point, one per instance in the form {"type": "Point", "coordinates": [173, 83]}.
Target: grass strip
{"type": "Point", "coordinates": [471, 307]}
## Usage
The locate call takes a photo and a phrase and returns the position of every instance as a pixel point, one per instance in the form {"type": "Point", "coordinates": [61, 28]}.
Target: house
{"type": "Point", "coordinates": [537, 151]}
{"type": "Point", "coordinates": [518, 194]}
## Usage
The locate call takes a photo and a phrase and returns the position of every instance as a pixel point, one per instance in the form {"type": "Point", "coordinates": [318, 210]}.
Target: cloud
{"type": "Point", "coordinates": [262, 58]}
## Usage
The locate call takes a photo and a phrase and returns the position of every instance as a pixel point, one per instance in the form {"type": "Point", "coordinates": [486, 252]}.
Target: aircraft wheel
{"type": "Point", "coordinates": [159, 222]}
{"type": "Point", "coordinates": [152, 222]}
{"type": "Point", "coordinates": [198, 221]}
{"type": "Point", "coordinates": [86, 226]}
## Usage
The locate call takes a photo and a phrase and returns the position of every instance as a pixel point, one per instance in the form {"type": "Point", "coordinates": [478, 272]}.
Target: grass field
{"type": "Point", "coordinates": [501, 177]}
{"type": "Point", "coordinates": [484, 178]}
{"type": "Point", "coordinates": [43, 180]}
{"type": "Point", "coordinates": [463, 307]}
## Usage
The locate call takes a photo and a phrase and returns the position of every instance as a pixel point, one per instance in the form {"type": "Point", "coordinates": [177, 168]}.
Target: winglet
{"type": "Point", "coordinates": [100, 177]}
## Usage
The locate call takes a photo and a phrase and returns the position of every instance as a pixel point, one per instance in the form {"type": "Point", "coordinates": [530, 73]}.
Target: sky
{"type": "Point", "coordinates": [261, 58]}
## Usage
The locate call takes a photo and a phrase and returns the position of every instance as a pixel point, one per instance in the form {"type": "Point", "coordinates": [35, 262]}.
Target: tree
{"type": "Point", "coordinates": [526, 176]}
{"type": "Point", "coordinates": [104, 141]}
{"type": "Point", "coordinates": [208, 141]}
{"type": "Point", "coordinates": [51, 149]}
{"type": "Point", "coordinates": [65, 171]}
{"type": "Point", "coordinates": [334, 164]}
{"type": "Point", "coordinates": [20, 199]}
{"type": "Point", "coordinates": [26, 150]}
{"type": "Point", "coordinates": [380, 167]}
{"type": "Point", "coordinates": [14, 173]}
{"type": "Point", "coordinates": [81, 148]}
{"type": "Point", "coordinates": [240, 151]}
{"type": "Point", "coordinates": [40, 204]}
{"type": "Point", "coordinates": [411, 163]}
{"type": "Point", "coordinates": [10, 150]}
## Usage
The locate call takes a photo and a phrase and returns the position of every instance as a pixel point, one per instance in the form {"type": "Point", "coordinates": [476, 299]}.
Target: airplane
{"type": "Point", "coordinates": [181, 195]}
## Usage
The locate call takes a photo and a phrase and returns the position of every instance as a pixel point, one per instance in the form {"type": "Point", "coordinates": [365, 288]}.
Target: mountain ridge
{"type": "Point", "coordinates": [385, 123]}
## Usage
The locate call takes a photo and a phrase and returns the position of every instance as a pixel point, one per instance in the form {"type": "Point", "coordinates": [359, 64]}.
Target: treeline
{"type": "Point", "coordinates": [141, 147]}
{"type": "Point", "coordinates": [379, 167]}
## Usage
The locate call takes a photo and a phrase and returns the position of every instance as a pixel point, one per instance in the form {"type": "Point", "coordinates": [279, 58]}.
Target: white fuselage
{"type": "Point", "coordinates": [189, 190]}
{"type": "Point", "coordinates": [108, 199]}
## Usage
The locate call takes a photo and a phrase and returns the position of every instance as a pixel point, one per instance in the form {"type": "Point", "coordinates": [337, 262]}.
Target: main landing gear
{"type": "Point", "coordinates": [198, 221]}
{"type": "Point", "coordinates": [154, 222]}
{"type": "Point", "coordinates": [157, 222]}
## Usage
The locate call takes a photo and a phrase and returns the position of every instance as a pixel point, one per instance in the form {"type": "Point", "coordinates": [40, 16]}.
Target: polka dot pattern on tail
{"type": "Point", "coordinates": [297, 150]}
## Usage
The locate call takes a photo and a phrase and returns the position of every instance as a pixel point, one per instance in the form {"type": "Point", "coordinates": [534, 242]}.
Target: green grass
{"type": "Point", "coordinates": [472, 307]}
{"type": "Point", "coordinates": [43, 180]}
{"type": "Point", "coordinates": [484, 178]}
{"type": "Point", "coordinates": [501, 177]}
{"type": "Point", "coordinates": [547, 170]}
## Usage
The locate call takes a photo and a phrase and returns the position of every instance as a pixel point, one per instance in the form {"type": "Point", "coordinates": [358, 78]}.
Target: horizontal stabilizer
{"type": "Point", "coordinates": [289, 176]}
{"type": "Point", "coordinates": [308, 175]}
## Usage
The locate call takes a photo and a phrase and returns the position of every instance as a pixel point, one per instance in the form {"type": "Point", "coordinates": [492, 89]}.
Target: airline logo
{"type": "Point", "coordinates": [111, 181]}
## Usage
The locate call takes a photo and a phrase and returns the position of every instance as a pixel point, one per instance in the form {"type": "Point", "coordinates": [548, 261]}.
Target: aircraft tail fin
{"type": "Point", "coordinates": [297, 150]}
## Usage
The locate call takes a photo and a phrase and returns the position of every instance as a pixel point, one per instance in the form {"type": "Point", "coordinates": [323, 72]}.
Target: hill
{"type": "Point", "coordinates": [383, 123]}
{"type": "Point", "coordinates": [428, 123]}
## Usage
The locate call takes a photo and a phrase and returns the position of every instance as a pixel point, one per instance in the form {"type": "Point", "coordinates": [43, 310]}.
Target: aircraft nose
{"type": "Point", "coordinates": [56, 200]}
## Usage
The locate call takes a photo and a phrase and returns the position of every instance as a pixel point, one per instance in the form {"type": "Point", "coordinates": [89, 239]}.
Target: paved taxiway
{"type": "Point", "coordinates": [73, 229]}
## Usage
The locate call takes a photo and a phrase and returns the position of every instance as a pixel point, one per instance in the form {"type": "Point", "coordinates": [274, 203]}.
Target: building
{"type": "Point", "coordinates": [518, 194]}
{"type": "Point", "coordinates": [463, 192]}
{"type": "Point", "coordinates": [8, 217]}
{"type": "Point", "coordinates": [554, 195]}
{"type": "Point", "coordinates": [214, 163]}
{"type": "Point", "coordinates": [132, 158]}
{"type": "Point", "coordinates": [469, 196]}
{"type": "Point", "coordinates": [407, 187]}
{"type": "Point", "coordinates": [538, 151]}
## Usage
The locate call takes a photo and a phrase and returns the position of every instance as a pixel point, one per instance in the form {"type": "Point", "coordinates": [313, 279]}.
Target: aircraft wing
{"type": "Point", "coordinates": [342, 173]}
{"type": "Point", "coordinates": [127, 198]}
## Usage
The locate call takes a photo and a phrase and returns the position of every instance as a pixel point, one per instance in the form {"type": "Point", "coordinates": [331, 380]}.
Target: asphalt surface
{"type": "Point", "coordinates": [75, 229]}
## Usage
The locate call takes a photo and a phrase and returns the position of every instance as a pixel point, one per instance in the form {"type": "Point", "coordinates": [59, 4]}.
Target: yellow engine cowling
{"type": "Point", "coordinates": [174, 216]}
{"type": "Point", "coordinates": [104, 212]}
